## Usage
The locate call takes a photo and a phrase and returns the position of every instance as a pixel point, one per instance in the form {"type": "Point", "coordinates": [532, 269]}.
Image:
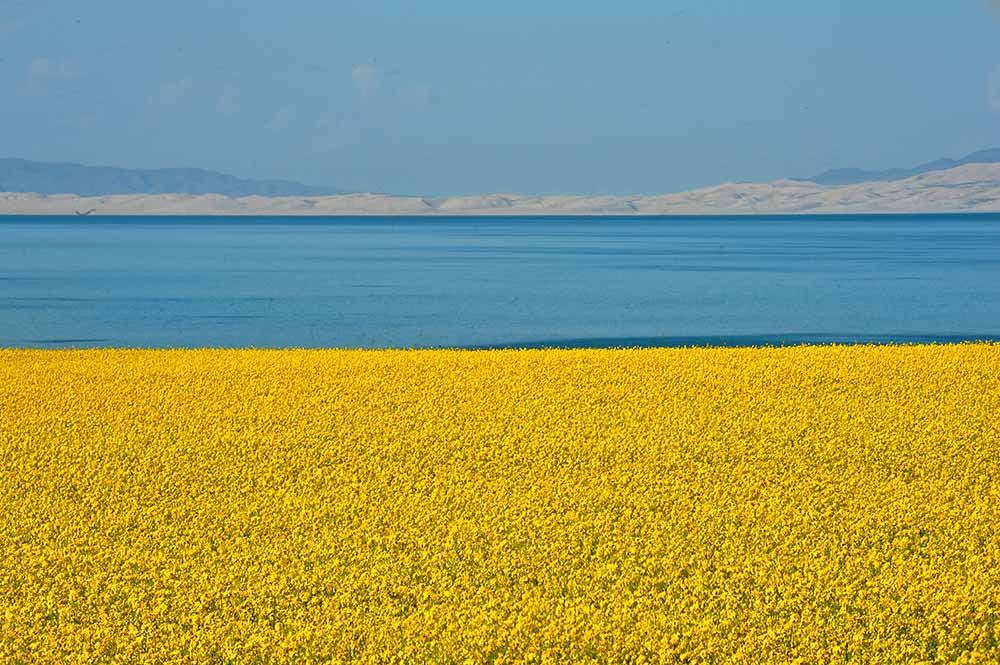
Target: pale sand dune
{"type": "Point", "coordinates": [969, 188]}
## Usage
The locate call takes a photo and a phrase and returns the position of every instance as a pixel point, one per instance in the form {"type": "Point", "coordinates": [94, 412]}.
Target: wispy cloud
{"type": "Point", "coordinates": [416, 96]}
{"type": "Point", "coordinates": [10, 26]}
{"type": "Point", "coordinates": [993, 90]}
{"type": "Point", "coordinates": [39, 68]}
{"type": "Point", "coordinates": [332, 130]}
{"type": "Point", "coordinates": [282, 118]}
{"type": "Point", "coordinates": [171, 93]}
{"type": "Point", "coordinates": [366, 78]}
{"type": "Point", "coordinates": [228, 101]}
{"type": "Point", "coordinates": [42, 69]}
{"type": "Point", "coordinates": [993, 84]}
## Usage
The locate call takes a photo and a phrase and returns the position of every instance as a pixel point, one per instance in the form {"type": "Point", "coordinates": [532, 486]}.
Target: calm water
{"type": "Point", "coordinates": [475, 282]}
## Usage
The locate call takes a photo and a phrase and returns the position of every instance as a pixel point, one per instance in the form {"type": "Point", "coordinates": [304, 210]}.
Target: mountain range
{"type": "Point", "coordinates": [853, 176]}
{"type": "Point", "coordinates": [22, 175]}
{"type": "Point", "coordinates": [971, 184]}
{"type": "Point", "coordinates": [967, 188]}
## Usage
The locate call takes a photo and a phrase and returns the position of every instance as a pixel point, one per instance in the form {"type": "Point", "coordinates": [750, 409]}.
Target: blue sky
{"type": "Point", "coordinates": [451, 97]}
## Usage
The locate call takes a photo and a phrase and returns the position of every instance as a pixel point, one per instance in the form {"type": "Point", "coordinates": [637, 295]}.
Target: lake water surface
{"type": "Point", "coordinates": [482, 282]}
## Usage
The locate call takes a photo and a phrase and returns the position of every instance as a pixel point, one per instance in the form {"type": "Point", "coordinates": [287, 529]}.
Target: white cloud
{"type": "Point", "coordinates": [366, 78]}
{"type": "Point", "coordinates": [993, 90]}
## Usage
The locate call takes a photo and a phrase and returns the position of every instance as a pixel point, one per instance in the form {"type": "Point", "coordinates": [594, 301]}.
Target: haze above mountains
{"type": "Point", "coordinates": [969, 184]}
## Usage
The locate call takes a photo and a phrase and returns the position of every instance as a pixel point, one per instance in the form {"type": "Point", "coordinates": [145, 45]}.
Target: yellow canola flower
{"type": "Point", "coordinates": [805, 504]}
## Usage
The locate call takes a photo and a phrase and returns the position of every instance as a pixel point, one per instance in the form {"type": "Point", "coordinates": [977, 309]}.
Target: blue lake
{"type": "Point", "coordinates": [483, 282]}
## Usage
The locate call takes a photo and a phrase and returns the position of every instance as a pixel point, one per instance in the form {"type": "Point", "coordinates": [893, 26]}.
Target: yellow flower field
{"type": "Point", "coordinates": [826, 504]}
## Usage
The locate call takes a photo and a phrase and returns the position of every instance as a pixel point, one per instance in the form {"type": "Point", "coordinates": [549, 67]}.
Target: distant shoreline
{"type": "Point", "coordinates": [972, 188]}
{"type": "Point", "coordinates": [831, 216]}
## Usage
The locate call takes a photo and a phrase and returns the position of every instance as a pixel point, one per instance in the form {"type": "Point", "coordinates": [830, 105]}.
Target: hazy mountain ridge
{"type": "Point", "coordinates": [22, 175]}
{"type": "Point", "coordinates": [853, 176]}
{"type": "Point", "coordinates": [968, 188]}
